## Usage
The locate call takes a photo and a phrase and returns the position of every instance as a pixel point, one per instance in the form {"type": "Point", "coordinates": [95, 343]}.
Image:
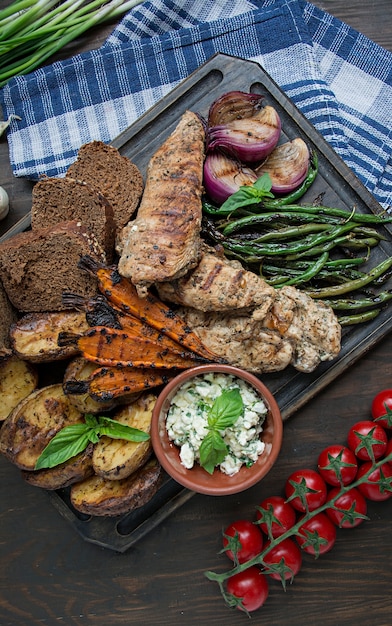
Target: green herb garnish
{"type": "Point", "coordinates": [73, 439]}
{"type": "Point", "coordinates": [224, 413]}
{"type": "Point", "coordinates": [249, 194]}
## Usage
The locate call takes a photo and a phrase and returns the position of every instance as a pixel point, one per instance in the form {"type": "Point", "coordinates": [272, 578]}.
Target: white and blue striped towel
{"type": "Point", "coordinates": [337, 77]}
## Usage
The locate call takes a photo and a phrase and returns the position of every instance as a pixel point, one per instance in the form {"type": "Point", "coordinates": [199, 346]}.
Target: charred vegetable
{"type": "Point", "coordinates": [233, 105]}
{"type": "Point", "coordinates": [112, 347]}
{"type": "Point", "coordinates": [287, 166]}
{"type": "Point", "coordinates": [249, 139]}
{"type": "Point", "coordinates": [223, 176]}
{"type": "Point", "coordinates": [151, 310]}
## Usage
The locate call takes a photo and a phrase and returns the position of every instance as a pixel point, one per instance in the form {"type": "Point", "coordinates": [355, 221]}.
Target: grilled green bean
{"type": "Point", "coordinates": [358, 318]}
{"type": "Point", "coordinates": [361, 218]}
{"type": "Point", "coordinates": [352, 285]}
{"type": "Point", "coordinates": [356, 304]}
{"type": "Point", "coordinates": [290, 232]}
{"type": "Point", "coordinates": [307, 275]}
{"type": "Point", "coordinates": [296, 246]}
{"type": "Point", "coordinates": [278, 217]}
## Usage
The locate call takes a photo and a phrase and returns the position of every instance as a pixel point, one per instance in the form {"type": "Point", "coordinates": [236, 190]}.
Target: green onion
{"type": "Point", "coordinates": [32, 31]}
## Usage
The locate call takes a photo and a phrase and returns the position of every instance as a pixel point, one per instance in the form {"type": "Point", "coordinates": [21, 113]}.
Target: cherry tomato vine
{"type": "Point", "coordinates": [316, 504]}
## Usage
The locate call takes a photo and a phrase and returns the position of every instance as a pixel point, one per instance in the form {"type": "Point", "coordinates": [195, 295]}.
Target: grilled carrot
{"type": "Point", "coordinates": [107, 383]}
{"type": "Point", "coordinates": [122, 293]}
{"type": "Point", "coordinates": [100, 312]}
{"type": "Point", "coordinates": [113, 347]}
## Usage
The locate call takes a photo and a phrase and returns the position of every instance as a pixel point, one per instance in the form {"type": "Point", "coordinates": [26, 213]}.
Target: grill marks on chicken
{"type": "Point", "coordinates": [241, 340]}
{"type": "Point", "coordinates": [286, 328]}
{"type": "Point", "coordinates": [217, 284]}
{"type": "Point", "coordinates": [163, 242]}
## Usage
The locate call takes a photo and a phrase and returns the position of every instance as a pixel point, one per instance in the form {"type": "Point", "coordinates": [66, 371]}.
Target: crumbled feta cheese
{"type": "Point", "coordinates": [187, 424]}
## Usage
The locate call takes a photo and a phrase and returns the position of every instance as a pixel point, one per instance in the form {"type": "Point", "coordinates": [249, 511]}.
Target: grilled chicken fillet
{"type": "Point", "coordinates": [163, 242]}
{"type": "Point", "coordinates": [297, 331]}
{"type": "Point", "coordinates": [218, 284]}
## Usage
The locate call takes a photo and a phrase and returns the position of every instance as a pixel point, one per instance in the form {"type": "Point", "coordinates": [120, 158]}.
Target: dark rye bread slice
{"type": "Point", "coordinates": [114, 175]}
{"type": "Point", "coordinates": [37, 266]}
{"type": "Point", "coordinates": [58, 200]}
{"type": "Point", "coordinates": [7, 317]}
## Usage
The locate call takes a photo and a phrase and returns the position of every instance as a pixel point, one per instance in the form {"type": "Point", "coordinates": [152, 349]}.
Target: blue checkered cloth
{"type": "Point", "coordinates": [336, 76]}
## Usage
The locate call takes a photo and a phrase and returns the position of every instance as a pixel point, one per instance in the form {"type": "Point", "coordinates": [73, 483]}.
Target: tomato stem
{"type": "Point", "coordinates": [294, 530]}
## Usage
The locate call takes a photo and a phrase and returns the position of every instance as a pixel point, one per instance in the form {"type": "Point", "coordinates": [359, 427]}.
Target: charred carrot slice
{"type": "Point", "coordinates": [100, 312]}
{"type": "Point", "coordinates": [107, 383]}
{"type": "Point", "coordinates": [112, 347]}
{"type": "Point", "coordinates": [121, 292]}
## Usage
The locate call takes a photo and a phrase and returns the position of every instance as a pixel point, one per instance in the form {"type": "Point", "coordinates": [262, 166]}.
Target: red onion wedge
{"type": "Point", "coordinates": [233, 105]}
{"type": "Point", "coordinates": [251, 139]}
{"type": "Point", "coordinates": [224, 176]}
{"type": "Point", "coordinates": [287, 166]}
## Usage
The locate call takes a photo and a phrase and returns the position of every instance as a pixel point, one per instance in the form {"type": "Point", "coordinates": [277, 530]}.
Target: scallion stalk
{"type": "Point", "coordinates": [32, 31]}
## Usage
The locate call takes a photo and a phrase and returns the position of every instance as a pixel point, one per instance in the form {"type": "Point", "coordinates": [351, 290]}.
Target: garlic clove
{"type": "Point", "coordinates": [4, 125]}
{"type": "Point", "coordinates": [250, 139]}
{"type": "Point", "coordinates": [287, 165]}
{"type": "Point", "coordinates": [224, 176]}
{"type": "Point", "coordinates": [4, 203]}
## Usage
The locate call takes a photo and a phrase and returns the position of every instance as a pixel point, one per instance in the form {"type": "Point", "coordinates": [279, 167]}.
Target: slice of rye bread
{"type": "Point", "coordinates": [114, 175]}
{"type": "Point", "coordinates": [8, 316]}
{"type": "Point", "coordinates": [37, 266]}
{"type": "Point", "coordinates": [58, 200]}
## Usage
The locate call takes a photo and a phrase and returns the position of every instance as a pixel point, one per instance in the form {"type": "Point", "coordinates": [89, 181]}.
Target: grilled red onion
{"type": "Point", "coordinates": [224, 176]}
{"type": "Point", "coordinates": [251, 139]}
{"type": "Point", "coordinates": [287, 165]}
{"type": "Point", "coordinates": [233, 105]}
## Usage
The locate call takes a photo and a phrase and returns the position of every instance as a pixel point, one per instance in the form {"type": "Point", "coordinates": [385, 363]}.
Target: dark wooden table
{"type": "Point", "coordinates": [50, 576]}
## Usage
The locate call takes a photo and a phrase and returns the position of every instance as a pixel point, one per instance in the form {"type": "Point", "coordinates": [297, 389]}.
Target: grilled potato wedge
{"type": "Point", "coordinates": [34, 336]}
{"type": "Point", "coordinates": [101, 497]}
{"type": "Point", "coordinates": [76, 469]}
{"type": "Point", "coordinates": [78, 372]}
{"type": "Point", "coordinates": [34, 422]}
{"type": "Point", "coordinates": [116, 459]}
{"type": "Point", "coordinates": [17, 380]}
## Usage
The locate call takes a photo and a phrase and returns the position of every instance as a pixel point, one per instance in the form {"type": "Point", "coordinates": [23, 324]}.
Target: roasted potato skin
{"type": "Point", "coordinates": [34, 422]}
{"type": "Point", "coordinates": [116, 459]}
{"type": "Point", "coordinates": [34, 336]}
{"type": "Point", "coordinates": [17, 380]}
{"type": "Point", "coordinates": [72, 471]}
{"type": "Point", "coordinates": [79, 369]}
{"type": "Point", "coordinates": [109, 498]}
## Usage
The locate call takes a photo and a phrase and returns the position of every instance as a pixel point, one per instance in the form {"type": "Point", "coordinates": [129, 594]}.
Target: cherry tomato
{"type": "Point", "coordinates": [247, 541]}
{"type": "Point", "coordinates": [276, 516]}
{"type": "Point", "coordinates": [353, 502]}
{"type": "Point", "coordinates": [250, 587]}
{"type": "Point", "coordinates": [338, 465]}
{"type": "Point", "coordinates": [317, 535]}
{"type": "Point", "coordinates": [367, 440]}
{"type": "Point", "coordinates": [378, 486]}
{"type": "Point", "coordinates": [289, 551]}
{"type": "Point", "coordinates": [382, 408]}
{"type": "Point", "coordinates": [306, 489]}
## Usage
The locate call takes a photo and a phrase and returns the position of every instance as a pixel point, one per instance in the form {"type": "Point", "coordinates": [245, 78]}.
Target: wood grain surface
{"type": "Point", "coordinates": [50, 575]}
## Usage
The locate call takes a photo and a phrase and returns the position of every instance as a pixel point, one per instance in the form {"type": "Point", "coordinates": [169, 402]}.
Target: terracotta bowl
{"type": "Point", "coordinates": [197, 479]}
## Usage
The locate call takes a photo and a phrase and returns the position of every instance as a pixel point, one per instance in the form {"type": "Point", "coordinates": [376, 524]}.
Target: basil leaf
{"type": "Point", "coordinates": [226, 410]}
{"type": "Point", "coordinates": [113, 429]}
{"type": "Point", "coordinates": [91, 420]}
{"type": "Point", "coordinates": [264, 185]}
{"type": "Point", "coordinates": [243, 197]}
{"type": "Point", "coordinates": [249, 194]}
{"type": "Point", "coordinates": [66, 444]}
{"type": "Point", "coordinates": [212, 451]}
